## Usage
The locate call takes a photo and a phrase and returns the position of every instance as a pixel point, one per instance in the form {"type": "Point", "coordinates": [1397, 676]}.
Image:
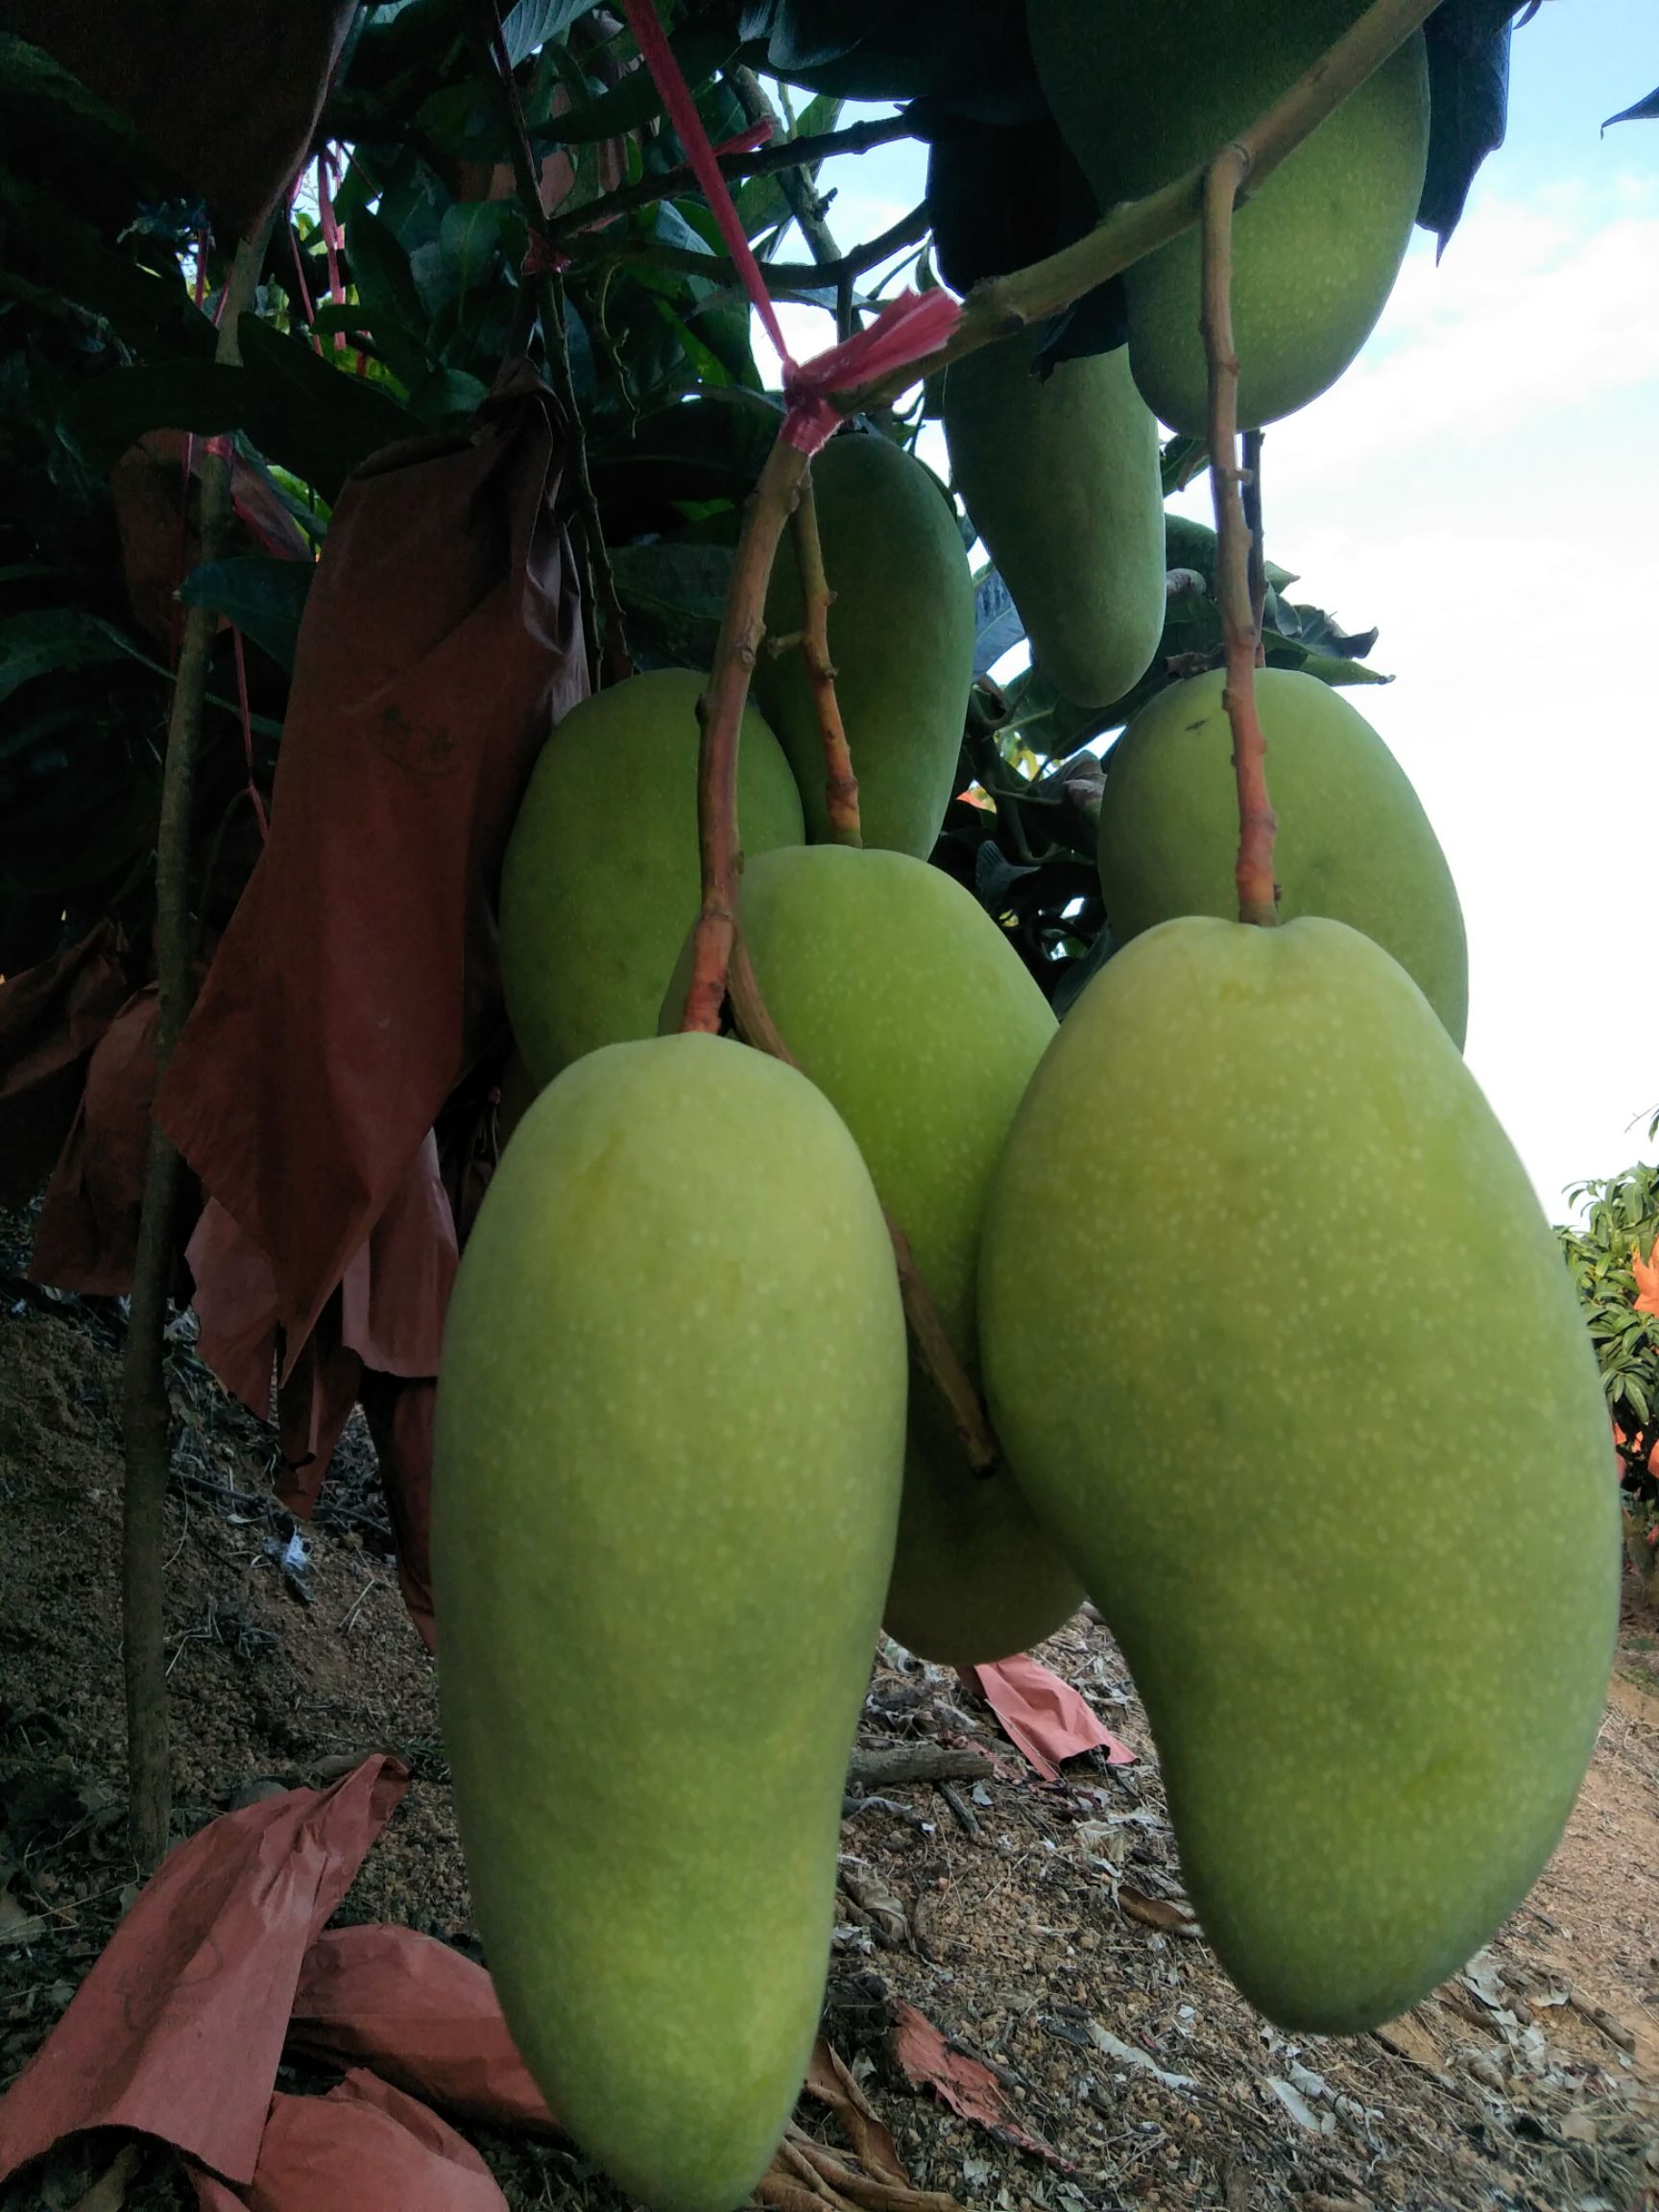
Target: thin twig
{"type": "Point", "coordinates": [720, 712]}
{"type": "Point", "coordinates": [1003, 305]}
{"type": "Point", "coordinates": [792, 154]}
{"type": "Point", "coordinates": [484, 35]}
{"type": "Point", "coordinates": [145, 1413]}
{"type": "Point", "coordinates": [1252, 488]}
{"type": "Point", "coordinates": [1258, 901]}
{"type": "Point", "coordinates": [840, 783]}
{"type": "Point", "coordinates": [797, 181]}
{"type": "Point", "coordinates": [784, 279]}
{"type": "Point", "coordinates": [938, 1357]}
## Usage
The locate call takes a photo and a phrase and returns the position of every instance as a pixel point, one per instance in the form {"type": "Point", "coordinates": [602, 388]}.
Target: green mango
{"type": "Point", "coordinates": [1318, 1420]}
{"type": "Point", "coordinates": [925, 1057]}
{"type": "Point", "coordinates": [900, 637]}
{"type": "Point", "coordinates": [601, 878]}
{"type": "Point", "coordinates": [1061, 479]}
{"type": "Point", "coordinates": [1143, 94]}
{"type": "Point", "coordinates": [669, 1445]}
{"type": "Point", "coordinates": [1354, 842]}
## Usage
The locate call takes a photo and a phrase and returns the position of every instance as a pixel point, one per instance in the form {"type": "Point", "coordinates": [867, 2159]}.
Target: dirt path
{"type": "Point", "coordinates": [1037, 1926]}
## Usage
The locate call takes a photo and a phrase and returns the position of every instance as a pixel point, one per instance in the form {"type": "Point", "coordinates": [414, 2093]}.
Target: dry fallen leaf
{"type": "Point", "coordinates": [1174, 1917]}
{"type": "Point", "coordinates": [969, 2088]}
{"type": "Point", "coordinates": [807, 2175]}
{"type": "Point", "coordinates": [829, 2081]}
{"type": "Point", "coordinates": [872, 1895]}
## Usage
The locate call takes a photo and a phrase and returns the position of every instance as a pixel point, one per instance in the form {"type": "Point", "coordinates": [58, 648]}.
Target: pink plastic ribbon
{"type": "Point", "coordinates": [907, 328]}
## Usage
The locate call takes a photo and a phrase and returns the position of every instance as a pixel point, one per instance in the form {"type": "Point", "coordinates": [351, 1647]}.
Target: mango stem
{"type": "Point", "coordinates": [1257, 892]}
{"type": "Point", "coordinates": [720, 717]}
{"type": "Point", "coordinates": [935, 1353]}
{"type": "Point", "coordinates": [720, 962]}
{"type": "Point", "coordinates": [840, 783]}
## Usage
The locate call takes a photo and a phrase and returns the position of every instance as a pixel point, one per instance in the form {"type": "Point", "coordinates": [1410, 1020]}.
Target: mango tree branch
{"type": "Point", "coordinates": [1003, 305]}
{"type": "Point", "coordinates": [146, 1416]}
{"type": "Point", "coordinates": [784, 279]}
{"type": "Point", "coordinates": [840, 783]}
{"type": "Point", "coordinates": [790, 154]}
{"type": "Point", "coordinates": [1258, 899]}
{"type": "Point", "coordinates": [796, 181]}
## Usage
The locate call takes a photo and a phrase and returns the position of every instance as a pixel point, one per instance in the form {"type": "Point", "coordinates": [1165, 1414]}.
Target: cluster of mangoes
{"type": "Point", "coordinates": [1283, 1362]}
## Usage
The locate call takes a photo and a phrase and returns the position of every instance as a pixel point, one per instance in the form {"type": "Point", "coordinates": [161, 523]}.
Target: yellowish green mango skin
{"type": "Point", "coordinates": [1142, 94]}
{"type": "Point", "coordinates": [1354, 842]}
{"type": "Point", "coordinates": [901, 637]}
{"type": "Point", "coordinates": [1061, 479]}
{"type": "Point", "coordinates": [601, 880]}
{"type": "Point", "coordinates": [670, 1434]}
{"type": "Point", "coordinates": [907, 1006]}
{"type": "Point", "coordinates": [1319, 1423]}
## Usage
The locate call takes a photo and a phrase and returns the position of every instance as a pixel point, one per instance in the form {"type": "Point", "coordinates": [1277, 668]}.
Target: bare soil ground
{"type": "Point", "coordinates": [1038, 1926]}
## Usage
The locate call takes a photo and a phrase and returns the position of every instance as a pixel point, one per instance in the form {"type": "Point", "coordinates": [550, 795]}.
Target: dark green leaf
{"type": "Point", "coordinates": [1468, 47]}
{"type": "Point", "coordinates": [673, 595]}
{"type": "Point", "coordinates": [1644, 112]}
{"type": "Point", "coordinates": [396, 315]}
{"type": "Point", "coordinates": [263, 597]}
{"type": "Point", "coordinates": [997, 623]}
{"type": "Point", "coordinates": [311, 417]}
{"type": "Point", "coordinates": [109, 412]}
{"type": "Point", "coordinates": [531, 23]}
{"type": "Point", "coordinates": [636, 101]}
{"type": "Point", "coordinates": [47, 640]}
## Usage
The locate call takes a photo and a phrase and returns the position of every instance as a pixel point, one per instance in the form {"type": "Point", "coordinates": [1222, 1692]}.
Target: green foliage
{"type": "Point", "coordinates": [102, 344]}
{"type": "Point", "coordinates": [1619, 1225]}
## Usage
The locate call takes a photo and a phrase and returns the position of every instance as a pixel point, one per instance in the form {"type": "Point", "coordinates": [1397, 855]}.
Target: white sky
{"type": "Point", "coordinates": [1483, 484]}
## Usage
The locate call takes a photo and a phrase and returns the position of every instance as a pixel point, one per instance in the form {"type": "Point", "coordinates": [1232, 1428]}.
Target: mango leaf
{"type": "Point", "coordinates": [397, 314]}
{"type": "Point", "coordinates": [636, 101]}
{"type": "Point", "coordinates": [264, 597]}
{"type": "Point", "coordinates": [1314, 628]}
{"type": "Point", "coordinates": [968, 54]}
{"type": "Point", "coordinates": [1189, 543]}
{"type": "Point", "coordinates": [111, 412]}
{"type": "Point", "coordinates": [712, 446]}
{"type": "Point", "coordinates": [1077, 973]}
{"type": "Point", "coordinates": [309, 416]}
{"type": "Point", "coordinates": [476, 238]}
{"type": "Point", "coordinates": [761, 202]}
{"type": "Point", "coordinates": [531, 23]}
{"type": "Point", "coordinates": [1332, 672]}
{"type": "Point", "coordinates": [998, 627]}
{"type": "Point", "coordinates": [149, 312]}
{"type": "Point", "coordinates": [448, 396]}
{"type": "Point", "coordinates": [1468, 48]}
{"type": "Point", "coordinates": [47, 640]}
{"type": "Point", "coordinates": [303, 413]}
{"type": "Point", "coordinates": [673, 595]}
{"type": "Point", "coordinates": [1644, 112]}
